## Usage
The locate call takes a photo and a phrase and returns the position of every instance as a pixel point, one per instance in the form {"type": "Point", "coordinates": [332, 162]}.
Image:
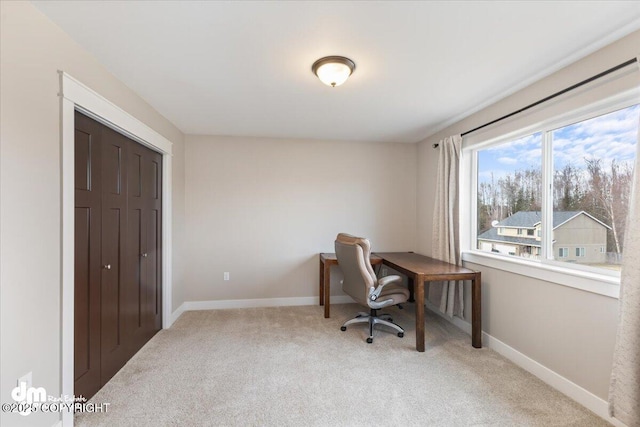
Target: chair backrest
{"type": "Point", "coordinates": [353, 254]}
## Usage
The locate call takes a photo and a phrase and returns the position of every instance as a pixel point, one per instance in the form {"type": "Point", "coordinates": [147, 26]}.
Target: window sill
{"type": "Point", "coordinates": [591, 282]}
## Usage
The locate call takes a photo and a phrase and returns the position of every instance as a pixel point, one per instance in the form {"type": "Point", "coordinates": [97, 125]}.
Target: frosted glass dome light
{"type": "Point", "coordinates": [333, 70]}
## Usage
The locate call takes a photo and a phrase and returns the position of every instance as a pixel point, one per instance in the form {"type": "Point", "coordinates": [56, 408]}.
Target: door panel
{"type": "Point", "coordinates": [112, 165]}
{"type": "Point", "coordinates": [82, 160]}
{"type": "Point", "coordinates": [111, 284]}
{"type": "Point", "coordinates": [135, 174]}
{"type": "Point", "coordinates": [154, 292]}
{"type": "Point", "coordinates": [83, 294]}
{"type": "Point", "coordinates": [155, 179]}
{"type": "Point", "coordinates": [136, 278]}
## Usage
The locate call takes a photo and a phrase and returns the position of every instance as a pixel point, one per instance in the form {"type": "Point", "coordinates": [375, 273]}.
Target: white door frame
{"type": "Point", "coordinates": [76, 96]}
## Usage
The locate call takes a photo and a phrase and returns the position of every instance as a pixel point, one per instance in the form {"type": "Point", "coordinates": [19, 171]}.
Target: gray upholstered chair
{"type": "Point", "coordinates": [361, 284]}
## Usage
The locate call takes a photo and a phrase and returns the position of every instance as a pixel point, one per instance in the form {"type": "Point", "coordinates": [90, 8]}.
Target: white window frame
{"type": "Point", "coordinates": [603, 282]}
{"type": "Point", "coordinates": [563, 252]}
{"type": "Point", "coordinates": [580, 252]}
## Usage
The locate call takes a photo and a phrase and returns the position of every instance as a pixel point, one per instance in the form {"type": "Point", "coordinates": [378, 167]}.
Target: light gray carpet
{"type": "Point", "coordinates": [288, 366]}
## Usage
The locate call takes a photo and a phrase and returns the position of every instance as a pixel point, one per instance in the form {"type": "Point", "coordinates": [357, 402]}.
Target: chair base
{"type": "Point", "coordinates": [374, 319]}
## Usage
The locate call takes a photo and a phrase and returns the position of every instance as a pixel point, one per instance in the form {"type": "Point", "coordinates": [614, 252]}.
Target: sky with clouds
{"type": "Point", "coordinates": [608, 137]}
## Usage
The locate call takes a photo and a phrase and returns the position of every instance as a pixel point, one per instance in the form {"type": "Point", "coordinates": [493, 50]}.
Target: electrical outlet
{"type": "Point", "coordinates": [226, 275]}
{"type": "Point", "coordinates": [27, 379]}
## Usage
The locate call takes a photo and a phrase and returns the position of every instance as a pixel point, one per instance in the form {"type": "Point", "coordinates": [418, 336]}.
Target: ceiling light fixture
{"type": "Point", "coordinates": [333, 70]}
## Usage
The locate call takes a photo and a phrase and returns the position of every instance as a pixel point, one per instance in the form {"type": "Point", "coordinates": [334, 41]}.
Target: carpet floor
{"type": "Point", "coordinates": [288, 366]}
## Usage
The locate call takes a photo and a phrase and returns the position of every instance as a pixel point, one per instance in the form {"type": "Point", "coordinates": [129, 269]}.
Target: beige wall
{"type": "Point", "coordinates": [262, 209]}
{"type": "Point", "coordinates": [567, 330]}
{"type": "Point", "coordinates": [32, 50]}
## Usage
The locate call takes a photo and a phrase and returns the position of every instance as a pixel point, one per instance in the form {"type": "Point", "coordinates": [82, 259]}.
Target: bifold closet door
{"type": "Point", "coordinates": [87, 241]}
{"type": "Point", "coordinates": [144, 244]}
{"type": "Point", "coordinates": [114, 351]}
{"type": "Point", "coordinates": [118, 235]}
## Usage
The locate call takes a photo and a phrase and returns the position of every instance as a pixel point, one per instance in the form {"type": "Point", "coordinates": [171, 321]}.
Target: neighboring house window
{"type": "Point", "coordinates": [583, 170]}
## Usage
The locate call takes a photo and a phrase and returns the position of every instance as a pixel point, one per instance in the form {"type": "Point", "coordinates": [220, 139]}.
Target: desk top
{"type": "Point", "coordinates": [331, 257]}
{"type": "Point", "coordinates": [421, 264]}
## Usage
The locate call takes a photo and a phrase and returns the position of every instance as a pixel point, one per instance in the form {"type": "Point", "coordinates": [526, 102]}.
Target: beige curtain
{"type": "Point", "coordinates": [447, 296]}
{"type": "Point", "coordinates": [624, 389]}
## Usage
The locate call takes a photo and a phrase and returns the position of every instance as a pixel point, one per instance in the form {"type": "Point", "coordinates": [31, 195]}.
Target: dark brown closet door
{"type": "Point", "coordinates": [153, 260]}
{"type": "Point", "coordinates": [114, 352]}
{"type": "Point", "coordinates": [118, 263]}
{"type": "Point", "coordinates": [87, 272]}
{"type": "Point", "coordinates": [144, 244]}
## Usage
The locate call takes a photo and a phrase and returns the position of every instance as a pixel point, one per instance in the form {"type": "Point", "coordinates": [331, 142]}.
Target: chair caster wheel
{"type": "Point", "coordinates": [400, 334]}
{"type": "Point", "coordinates": [369, 340]}
{"type": "Point", "coordinates": [343, 328]}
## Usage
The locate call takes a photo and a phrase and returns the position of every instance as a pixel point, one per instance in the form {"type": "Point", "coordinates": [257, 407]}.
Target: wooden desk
{"type": "Point", "coordinates": [326, 261]}
{"type": "Point", "coordinates": [419, 269]}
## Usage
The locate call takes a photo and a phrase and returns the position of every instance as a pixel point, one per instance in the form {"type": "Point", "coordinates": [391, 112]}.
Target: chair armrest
{"type": "Point", "coordinates": [374, 293]}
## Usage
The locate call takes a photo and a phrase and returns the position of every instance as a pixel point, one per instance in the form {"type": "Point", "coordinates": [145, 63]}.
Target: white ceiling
{"type": "Point", "coordinates": [244, 68]}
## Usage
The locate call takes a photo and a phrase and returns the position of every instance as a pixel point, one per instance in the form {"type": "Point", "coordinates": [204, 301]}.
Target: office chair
{"type": "Point", "coordinates": [361, 284]}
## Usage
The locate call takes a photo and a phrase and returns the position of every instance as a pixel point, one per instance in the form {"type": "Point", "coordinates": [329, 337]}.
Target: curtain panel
{"type": "Point", "coordinates": [624, 389]}
{"type": "Point", "coordinates": [448, 296]}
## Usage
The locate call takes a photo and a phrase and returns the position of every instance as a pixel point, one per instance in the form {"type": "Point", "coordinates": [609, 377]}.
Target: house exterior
{"type": "Point", "coordinates": [577, 237]}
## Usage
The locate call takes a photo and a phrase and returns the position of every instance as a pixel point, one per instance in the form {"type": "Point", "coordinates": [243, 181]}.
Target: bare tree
{"type": "Point", "coordinates": [569, 189]}
{"type": "Point", "coordinates": [608, 196]}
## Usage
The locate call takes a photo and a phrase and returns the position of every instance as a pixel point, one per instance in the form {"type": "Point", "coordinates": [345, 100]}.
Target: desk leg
{"type": "Point", "coordinates": [476, 312]}
{"type": "Point", "coordinates": [321, 281]}
{"type": "Point", "coordinates": [418, 283]}
{"type": "Point", "coordinates": [412, 296]}
{"type": "Point", "coordinates": [326, 273]}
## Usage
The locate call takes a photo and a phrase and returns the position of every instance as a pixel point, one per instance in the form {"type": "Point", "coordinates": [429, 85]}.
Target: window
{"type": "Point", "coordinates": [586, 168]}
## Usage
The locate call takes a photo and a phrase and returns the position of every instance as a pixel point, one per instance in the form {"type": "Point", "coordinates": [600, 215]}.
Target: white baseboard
{"type": "Point", "coordinates": [251, 303]}
{"type": "Point", "coordinates": [584, 397]}
{"type": "Point", "coordinates": [177, 313]}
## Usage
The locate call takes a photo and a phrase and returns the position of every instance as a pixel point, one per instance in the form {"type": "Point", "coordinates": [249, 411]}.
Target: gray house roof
{"type": "Point", "coordinates": [492, 234]}
{"type": "Point", "coordinates": [529, 219]}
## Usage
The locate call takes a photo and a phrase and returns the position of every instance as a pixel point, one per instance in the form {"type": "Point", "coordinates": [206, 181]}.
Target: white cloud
{"type": "Point", "coordinates": [507, 161]}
